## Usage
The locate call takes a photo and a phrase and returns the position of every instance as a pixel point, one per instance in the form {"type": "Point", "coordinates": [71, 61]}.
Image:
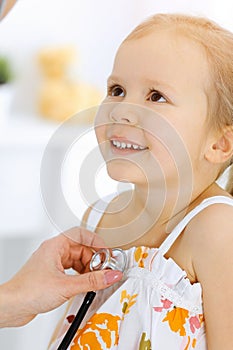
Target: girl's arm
{"type": "Point", "coordinates": [212, 248]}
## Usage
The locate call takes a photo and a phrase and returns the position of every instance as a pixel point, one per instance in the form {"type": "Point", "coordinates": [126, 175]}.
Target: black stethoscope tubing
{"type": "Point", "coordinates": [102, 259]}
{"type": "Point", "coordinates": [89, 297]}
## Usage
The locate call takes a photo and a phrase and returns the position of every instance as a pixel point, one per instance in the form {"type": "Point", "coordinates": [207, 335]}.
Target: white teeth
{"type": "Point", "coordinates": [123, 145]}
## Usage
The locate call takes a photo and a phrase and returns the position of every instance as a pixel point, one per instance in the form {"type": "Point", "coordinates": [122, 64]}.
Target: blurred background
{"type": "Point", "coordinates": [55, 56]}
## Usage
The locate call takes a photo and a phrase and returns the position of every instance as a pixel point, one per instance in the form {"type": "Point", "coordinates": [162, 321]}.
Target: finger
{"type": "Point", "coordinates": [82, 236]}
{"type": "Point", "coordinates": [78, 254]}
{"type": "Point", "coordinates": [91, 281]}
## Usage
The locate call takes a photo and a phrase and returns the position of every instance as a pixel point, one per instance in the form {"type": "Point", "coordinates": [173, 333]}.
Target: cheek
{"type": "Point", "coordinates": [100, 132]}
{"type": "Point", "coordinates": [103, 112]}
{"type": "Point", "coordinates": [102, 122]}
{"type": "Point", "coordinates": [171, 154]}
{"type": "Point", "coordinates": [100, 126]}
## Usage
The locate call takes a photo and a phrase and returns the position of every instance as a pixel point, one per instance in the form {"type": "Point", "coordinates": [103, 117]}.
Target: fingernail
{"type": "Point", "coordinates": [112, 276]}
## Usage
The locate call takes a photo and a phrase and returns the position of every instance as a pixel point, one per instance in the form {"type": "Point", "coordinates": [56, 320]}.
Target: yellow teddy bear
{"type": "Point", "coordinates": [59, 96]}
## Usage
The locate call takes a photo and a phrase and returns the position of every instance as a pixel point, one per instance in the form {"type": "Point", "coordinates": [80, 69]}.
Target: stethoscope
{"type": "Point", "coordinates": [114, 259]}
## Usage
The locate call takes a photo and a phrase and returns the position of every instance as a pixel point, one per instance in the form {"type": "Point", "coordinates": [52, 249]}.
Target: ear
{"type": "Point", "coordinates": [221, 151]}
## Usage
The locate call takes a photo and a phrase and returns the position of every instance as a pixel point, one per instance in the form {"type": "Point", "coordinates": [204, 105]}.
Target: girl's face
{"type": "Point", "coordinates": [151, 124]}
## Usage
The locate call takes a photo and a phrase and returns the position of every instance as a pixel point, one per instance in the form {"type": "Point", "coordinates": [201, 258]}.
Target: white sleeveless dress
{"type": "Point", "coordinates": [155, 307]}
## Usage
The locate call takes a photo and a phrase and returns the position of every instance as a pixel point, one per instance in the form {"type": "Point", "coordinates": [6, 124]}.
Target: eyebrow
{"type": "Point", "coordinates": [113, 78]}
{"type": "Point", "coordinates": [159, 83]}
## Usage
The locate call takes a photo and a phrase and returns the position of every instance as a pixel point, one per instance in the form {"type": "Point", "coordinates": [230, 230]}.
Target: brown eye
{"type": "Point", "coordinates": [116, 91]}
{"type": "Point", "coordinates": [155, 96]}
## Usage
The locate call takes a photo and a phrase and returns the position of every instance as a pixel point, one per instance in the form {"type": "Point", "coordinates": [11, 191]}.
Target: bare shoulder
{"type": "Point", "coordinates": [205, 235]}
{"type": "Point", "coordinates": [85, 216]}
{"type": "Point", "coordinates": [210, 237]}
{"type": "Point", "coordinates": [215, 222]}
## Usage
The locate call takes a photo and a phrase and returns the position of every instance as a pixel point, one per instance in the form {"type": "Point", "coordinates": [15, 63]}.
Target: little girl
{"type": "Point", "coordinates": [166, 125]}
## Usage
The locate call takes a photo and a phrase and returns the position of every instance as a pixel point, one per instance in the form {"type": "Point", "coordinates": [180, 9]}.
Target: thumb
{"type": "Point", "coordinates": [92, 281]}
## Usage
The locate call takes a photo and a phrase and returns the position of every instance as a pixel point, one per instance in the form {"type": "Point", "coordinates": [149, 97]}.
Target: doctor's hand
{"type": "Point", "coordinates": [42, 284]}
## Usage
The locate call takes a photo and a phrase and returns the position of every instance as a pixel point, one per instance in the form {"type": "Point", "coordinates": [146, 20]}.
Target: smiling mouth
{"type": "Point", "coordinates": [127, 146]}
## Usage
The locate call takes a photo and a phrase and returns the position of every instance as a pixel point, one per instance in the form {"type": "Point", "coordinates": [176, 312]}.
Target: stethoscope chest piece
{"type": "Point", "coordinates": [114, 259]}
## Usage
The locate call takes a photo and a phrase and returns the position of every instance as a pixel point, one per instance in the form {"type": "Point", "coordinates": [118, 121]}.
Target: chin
{"type": "Point", "coordinates": [123, 171]}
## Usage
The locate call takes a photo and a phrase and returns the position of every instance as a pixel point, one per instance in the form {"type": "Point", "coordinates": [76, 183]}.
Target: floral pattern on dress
{"type": "Point", "coordinates": [181, 322]}
{"type": "Point", "coordinates": [153, 308]}
{"type": "Point", "coordinates": [140, 255]}
{"type": "Point", "coordinates": [128, 301]}
{"type": "Point", "coordinates": [102, 329]}
{"type": "Point", "coordinates": [145, 344]}
{"type": "Point", "coordinates": [159, 328]}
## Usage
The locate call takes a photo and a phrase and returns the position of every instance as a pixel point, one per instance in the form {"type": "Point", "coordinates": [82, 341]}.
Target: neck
{"type": "Point", "coordinates": [163, 205]}
{"type": "Point", "coordinates": [158, 213]}
{"type": "Point", "coordinates": [146, 216]}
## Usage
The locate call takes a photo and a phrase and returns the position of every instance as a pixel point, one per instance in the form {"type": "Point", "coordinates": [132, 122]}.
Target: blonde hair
{"type": "Point", "coordinates": [218, 45]}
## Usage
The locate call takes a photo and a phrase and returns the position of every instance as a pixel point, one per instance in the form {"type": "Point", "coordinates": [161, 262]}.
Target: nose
{"type": "Point", "coordinates": [124, 113]}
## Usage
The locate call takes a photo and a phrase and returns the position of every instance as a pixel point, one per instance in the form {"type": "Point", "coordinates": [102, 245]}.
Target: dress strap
{"type": "Point", "coordinates": [168, 242]}
{"type": "Point", "coordinates": [98, 210]}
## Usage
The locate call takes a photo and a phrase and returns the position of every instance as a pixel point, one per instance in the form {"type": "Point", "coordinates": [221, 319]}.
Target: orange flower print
{"type": "Point", "coordinates": [100, 332]}
{"type": "Point", "coordinates": [139, 255]}
{"type": "Point", "coordinates": [176, 319]}
{"type": "Point", "coordinates": [180, 321]}
{"type": "Point", "coordinates": [186, 346]}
